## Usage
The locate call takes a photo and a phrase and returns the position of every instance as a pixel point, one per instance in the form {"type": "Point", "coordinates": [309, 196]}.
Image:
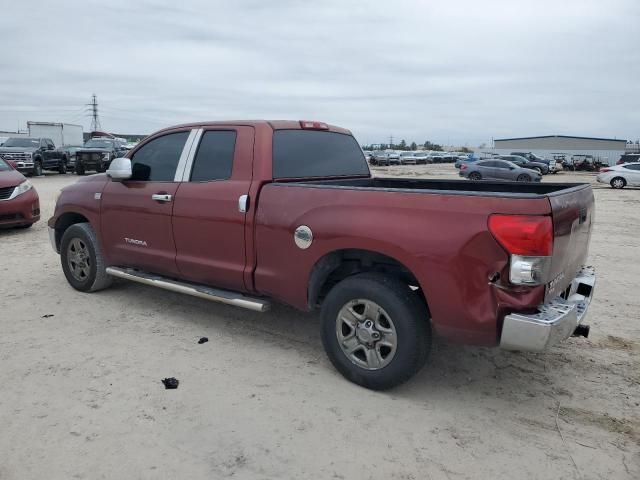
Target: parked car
{"type": "Point", "coordinates": [367, 154]}
{"type": "Point", "coordinates": [232, 213]}
{"type": "Point", "coordinates": [19, 202]}
{"type": "Point", "coordinates": [436, 158]}
{"type": "Point", "coordinates": [408, 158]}
{"type": "Point", "coordinates": [523, 162]}
{"type": "Point", "coordinates": [393, 158]}
{"type": "Point", "coordinates": [69, 155]}
{"type": "Point", "coordinates": [33, 155]}
{"type": "Point", "coordinates": [498, 170]}
{"type": "Point", "coordinates": [422, 158]}
{"type": "Point", "coordinates": [379, 158]}
{"type": "Point", "coordinates": [629, 158]}
{"type": "Point", "coordinates": [465, 159]}
{"type": "Point", "coordinates": [620, 176]}
{"type": "Point", "coordinates": [97, 154]}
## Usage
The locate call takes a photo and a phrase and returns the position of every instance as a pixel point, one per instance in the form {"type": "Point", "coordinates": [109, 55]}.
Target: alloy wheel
{"type": "Point", "coordinates": [366, 334]}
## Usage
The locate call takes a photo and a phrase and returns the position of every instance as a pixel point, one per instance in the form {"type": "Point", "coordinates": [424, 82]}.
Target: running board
{"type": "Point", "coordinates": [195, 290]}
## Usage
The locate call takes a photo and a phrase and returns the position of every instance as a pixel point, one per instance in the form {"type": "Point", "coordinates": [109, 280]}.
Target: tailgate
{"type": "Point", "coordinates": [573, 215]}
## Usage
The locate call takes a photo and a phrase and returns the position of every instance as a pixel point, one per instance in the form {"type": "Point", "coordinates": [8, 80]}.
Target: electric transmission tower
{"type": "Point", "coordinates": [95, 120]}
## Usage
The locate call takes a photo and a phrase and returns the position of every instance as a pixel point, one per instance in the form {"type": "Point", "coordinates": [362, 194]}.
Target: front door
{"type": "Point", "coordinates": [502, 170]}
{"type": "Point", "coordinates": [136, 213]}
{"type": "Point", "coordinates": [208, 214]}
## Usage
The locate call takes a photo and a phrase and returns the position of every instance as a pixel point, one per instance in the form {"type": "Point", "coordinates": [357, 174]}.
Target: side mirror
{"type": "Point", "coordinates": [119, 169]}
{"type": "Point", "coordinates": [512, 168]}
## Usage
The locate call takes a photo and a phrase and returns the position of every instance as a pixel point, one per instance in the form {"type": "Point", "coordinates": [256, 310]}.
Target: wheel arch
{"type": "Point", "coordinates": [337, 265]}
{"type": "Point", "coordinates": [64, 221]}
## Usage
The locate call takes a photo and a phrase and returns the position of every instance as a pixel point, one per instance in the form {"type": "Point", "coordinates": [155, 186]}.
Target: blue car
{"type": "Point", "coordinates": [466, 159]}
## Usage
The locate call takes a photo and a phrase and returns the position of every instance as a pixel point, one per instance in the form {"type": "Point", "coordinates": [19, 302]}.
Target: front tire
{"type": "Point", "coordinates": [523, 178]}
{"type": "Point", "coordinates": [62, 168]}
{"type": "Point", "coordinates": [375, 330]}
{"type": "Point", "coordinates": [475, 176]}
{"type": "Point", "coordinates": [82, 260]}
{"type": "Point", "coordinates": [79, 169]}
{"type": "Point", "coordinates": [37, 168]}
{"type": "Point", "coordinates": [618, 182]}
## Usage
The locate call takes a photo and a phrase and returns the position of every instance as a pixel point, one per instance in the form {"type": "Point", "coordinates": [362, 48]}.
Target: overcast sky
{"type": "Point", "coordinates": [448, 71]}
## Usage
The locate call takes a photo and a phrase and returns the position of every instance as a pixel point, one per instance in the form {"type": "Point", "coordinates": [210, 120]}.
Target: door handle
{"type": "Point", "coordinates": [161, 197]}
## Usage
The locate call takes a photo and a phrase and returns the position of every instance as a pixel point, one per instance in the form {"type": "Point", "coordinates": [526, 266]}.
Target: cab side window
{"type": "Point", "coordinates": [214, 158]}
{"type": "Point", "coordinates": [157, 160]}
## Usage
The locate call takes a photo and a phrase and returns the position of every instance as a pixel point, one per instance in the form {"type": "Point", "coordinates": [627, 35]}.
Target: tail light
{"type": "Point", "coordinates": [529, 241]}
{"type": "Point", "coordinates": [463, 167]}
{"type": "Point", "coordinates": [311, 125]}
{"type": "Point", "coordinates": [605, 169]}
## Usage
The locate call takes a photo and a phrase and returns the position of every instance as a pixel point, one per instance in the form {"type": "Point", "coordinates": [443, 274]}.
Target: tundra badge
{"type": "Point", "coordinates": [133, 241]}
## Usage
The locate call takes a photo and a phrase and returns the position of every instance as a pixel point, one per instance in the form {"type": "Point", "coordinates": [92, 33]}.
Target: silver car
{"type": "Point", "coordinates": [498, 170]}
{"type": "Point", "coordinates": [619, 176]}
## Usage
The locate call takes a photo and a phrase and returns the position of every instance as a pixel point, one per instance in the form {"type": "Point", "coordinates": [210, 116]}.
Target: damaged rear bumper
{"type": "Point", "coordinates": [554, 321]}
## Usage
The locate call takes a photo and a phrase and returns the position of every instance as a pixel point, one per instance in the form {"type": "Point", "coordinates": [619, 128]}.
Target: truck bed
{"type": "Point", "coordinates": [450, 187]}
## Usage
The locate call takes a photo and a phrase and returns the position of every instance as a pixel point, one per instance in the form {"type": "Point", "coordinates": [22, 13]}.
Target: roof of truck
{"type": "Point", "coordinates": [274, 124]}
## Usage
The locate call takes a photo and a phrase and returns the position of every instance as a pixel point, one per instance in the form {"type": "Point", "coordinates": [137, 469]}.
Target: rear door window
{"type": "Point", "coordinates": [214, 158]}
{"type": "Point", "coordinates": [157, 160]}
{"type": "Point", "coordinates": [315, 153]}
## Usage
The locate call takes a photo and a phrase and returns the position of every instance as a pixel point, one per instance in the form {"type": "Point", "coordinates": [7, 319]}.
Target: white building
{"type": "Point", "coordinates": [607, 150]}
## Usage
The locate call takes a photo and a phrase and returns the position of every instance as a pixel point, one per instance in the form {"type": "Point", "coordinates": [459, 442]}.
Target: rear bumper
{"type": "Point", "coordinates": [554, 321]}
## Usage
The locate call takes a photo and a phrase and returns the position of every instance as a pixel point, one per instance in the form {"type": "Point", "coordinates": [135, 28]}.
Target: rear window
{"type": "Point", "coordinates": [313, 153]}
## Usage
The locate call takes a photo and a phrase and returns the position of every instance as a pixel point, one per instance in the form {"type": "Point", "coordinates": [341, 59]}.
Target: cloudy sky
{"type": "Point", "coordinates": [448, 71]}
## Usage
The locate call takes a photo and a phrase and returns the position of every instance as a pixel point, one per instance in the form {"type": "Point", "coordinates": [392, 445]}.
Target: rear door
{"type": "Point", "coordinates": [210, 207]}
{"type": "Point", "coordinates": [486, 169]}
{"type": "Point", "coordinates": [136, 213]}
{"type": "Point", "coordinates": [573, 215]}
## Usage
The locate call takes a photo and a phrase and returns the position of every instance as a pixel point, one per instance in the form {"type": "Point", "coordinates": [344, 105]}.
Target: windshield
{"type": "Point", "coordinates": [22, 142]}
{"type": "Point", "coordinates": [4, 166]}
{"type": "Point", "coordinates": [99, 144]}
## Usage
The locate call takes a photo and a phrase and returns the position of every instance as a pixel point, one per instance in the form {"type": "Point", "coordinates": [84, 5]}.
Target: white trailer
{"type": "Point", "coordinates": [60, 133]}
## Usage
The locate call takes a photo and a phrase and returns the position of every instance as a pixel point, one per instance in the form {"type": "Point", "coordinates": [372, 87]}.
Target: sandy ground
{"type": "Point", "coordinates": [81, 395]}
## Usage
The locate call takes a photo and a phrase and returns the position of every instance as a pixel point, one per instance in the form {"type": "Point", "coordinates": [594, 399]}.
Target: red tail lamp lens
{"type": "Point", "coordinates": [525, 235]}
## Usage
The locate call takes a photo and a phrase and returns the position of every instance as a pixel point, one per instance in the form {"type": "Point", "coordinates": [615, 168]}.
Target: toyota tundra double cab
{"type": "Point", "coordinates": [251, 212]}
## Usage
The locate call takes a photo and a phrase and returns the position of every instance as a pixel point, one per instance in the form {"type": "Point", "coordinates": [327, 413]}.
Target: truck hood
{"type": "Point", "coordinates": [17, 149]}
{"type": "Point", "coordinates": [11, 178]}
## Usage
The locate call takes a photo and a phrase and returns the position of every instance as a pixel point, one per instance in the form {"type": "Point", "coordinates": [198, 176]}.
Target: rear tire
{"type": "Point", "coordinates": [475, 176]}
{"type": "Point", "coordinates": [370, 306]}
{"type": "Point", "coordinates": [79, 169]}
{"type": "Point", "coordinates": [523, 178]}
{"type": "Point", "coordinates": [62, 168]}
{"type": "Point", "coordinates": [82, 260]}
{"type": "Point", "coordinates": [618, 182]}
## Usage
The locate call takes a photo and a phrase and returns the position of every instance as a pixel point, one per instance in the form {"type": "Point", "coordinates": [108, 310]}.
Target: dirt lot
{"type": "Point", "coordinates": [81, 395]}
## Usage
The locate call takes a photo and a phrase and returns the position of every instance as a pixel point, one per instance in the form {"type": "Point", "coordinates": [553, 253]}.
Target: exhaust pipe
{"type": "Point", "coordinates": [581, 331]}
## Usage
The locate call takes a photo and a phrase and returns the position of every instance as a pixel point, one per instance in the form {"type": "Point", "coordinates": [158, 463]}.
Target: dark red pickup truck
{"type": "Point", "coordinates": [248, 211]}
